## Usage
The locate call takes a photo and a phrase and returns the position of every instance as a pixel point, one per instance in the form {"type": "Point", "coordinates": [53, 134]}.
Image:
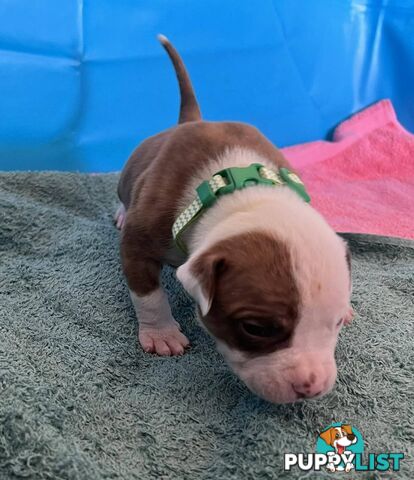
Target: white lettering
{"type": "Point", "coordinates": [301, 461]}
{"type": "Point", "coordinates": [348, 457]}
{"type": "Point", "coordinates": [335, 459]}
{"type": "Point", "coordinates": [320, 460]}
{"type": "Point", "coordinates": [290, 460]}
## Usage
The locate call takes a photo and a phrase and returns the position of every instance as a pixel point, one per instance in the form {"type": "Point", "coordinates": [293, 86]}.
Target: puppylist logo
{"type": "Point", "coordinates": [340, 448]}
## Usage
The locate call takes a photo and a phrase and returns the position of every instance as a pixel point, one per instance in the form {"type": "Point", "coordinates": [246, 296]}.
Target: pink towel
{"type": "Point", "coordinates": [362, 181]}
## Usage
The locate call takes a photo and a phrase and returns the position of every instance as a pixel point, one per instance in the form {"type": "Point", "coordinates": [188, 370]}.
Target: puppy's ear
{"type": "Point", "coordinates": [198, 276]}
{"type": "Point", "coordinates": [327, 436]}
{"type": "Point", "coordinates": [347, 428]}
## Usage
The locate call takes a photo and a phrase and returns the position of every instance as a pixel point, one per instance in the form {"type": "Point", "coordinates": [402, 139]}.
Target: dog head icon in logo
{"type": "Point", "coordinates": [339, 437]}
{"type": "Point", "coordinates": [340, 442]}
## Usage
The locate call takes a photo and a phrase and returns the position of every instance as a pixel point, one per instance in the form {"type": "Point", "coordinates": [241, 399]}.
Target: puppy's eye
{"type": "Point", "coordinates": [258, 330]}
{"type": "Point", "coordinates": [340, 322]}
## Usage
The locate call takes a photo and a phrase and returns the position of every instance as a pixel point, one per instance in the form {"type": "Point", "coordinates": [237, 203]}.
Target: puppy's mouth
{"type": "Point", "coordinates": [299, 396]}
{"type": "Point", "coordinates": [272, 378]}
{"type": "Point", "coordinates": [341, 449]}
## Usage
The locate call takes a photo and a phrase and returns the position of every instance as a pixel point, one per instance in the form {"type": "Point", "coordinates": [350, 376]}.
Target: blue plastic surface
{"type": "Point", "coordinates": [83, 82]}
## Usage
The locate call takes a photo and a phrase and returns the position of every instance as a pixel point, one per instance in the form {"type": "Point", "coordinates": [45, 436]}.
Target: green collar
{"type": "Point", "coordinates": [227, 181]}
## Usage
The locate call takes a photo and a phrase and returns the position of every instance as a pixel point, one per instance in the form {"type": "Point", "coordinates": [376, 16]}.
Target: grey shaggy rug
{"type": "Point", "coordinates": [80, 400]}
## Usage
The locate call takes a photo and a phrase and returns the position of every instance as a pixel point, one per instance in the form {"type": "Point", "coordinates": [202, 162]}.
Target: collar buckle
{"type": "Point", "coordinates": [231, 179]}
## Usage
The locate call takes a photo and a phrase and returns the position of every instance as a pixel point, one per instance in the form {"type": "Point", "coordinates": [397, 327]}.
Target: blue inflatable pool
{"type": "Point", "coordinates": [82, 82]}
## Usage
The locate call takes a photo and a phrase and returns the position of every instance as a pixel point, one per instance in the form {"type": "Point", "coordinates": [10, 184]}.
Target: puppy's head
{"type": "Point", "coordinates": [338, 437]}
{"type": "Point", "coordinates": [275, 307]}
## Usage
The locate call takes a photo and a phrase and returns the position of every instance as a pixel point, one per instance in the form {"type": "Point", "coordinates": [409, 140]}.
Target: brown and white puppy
{"type": "Point", "coordinates": [339, 438]}
{"type": "Point", "coordinates": [269, 275]}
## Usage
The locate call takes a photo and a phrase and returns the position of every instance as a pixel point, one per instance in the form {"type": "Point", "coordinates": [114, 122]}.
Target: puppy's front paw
{"type": "Point", "coordinates": [330, 467]}
{"type": "Point", "coordinates": [163, 341]}
{"type": "Point", "coordinates": [349, 316]}
{"type": "Point", "coordinates": [349, 467]}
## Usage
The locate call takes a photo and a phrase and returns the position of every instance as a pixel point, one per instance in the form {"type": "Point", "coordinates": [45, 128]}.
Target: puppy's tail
{"type": "Point", "coordinates": [189, 109]}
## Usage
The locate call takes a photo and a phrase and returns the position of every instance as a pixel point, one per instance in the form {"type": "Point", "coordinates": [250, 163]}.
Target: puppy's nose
{"type": "Point", "coordinates": [312, 387]}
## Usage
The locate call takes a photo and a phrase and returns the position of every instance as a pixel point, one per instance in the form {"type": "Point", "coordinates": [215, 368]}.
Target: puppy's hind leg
{"type": "Point", "coordinates": [119, 217]}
